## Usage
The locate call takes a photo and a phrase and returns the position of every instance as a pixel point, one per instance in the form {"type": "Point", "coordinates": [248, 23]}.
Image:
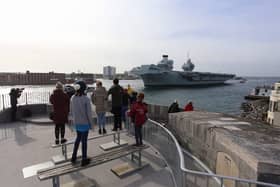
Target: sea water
{"type": "Point", "coordinates": [223, 98]}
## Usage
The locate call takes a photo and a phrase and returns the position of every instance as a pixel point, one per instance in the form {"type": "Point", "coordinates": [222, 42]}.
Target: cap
{"type": "Point", "coordinates": [59, 85]}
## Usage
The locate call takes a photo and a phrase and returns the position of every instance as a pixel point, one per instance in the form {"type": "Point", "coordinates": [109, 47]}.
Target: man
{"type": "Point", "coordinates": [14, 95]}
{"type": "Point", "coordinates": [117, 92]}
{"type": "Point", "coordinates": [174, 107]}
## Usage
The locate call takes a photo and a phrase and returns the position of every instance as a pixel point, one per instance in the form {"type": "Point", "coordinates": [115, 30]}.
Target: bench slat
{"type": "Point", "coordinates": [68, 167]}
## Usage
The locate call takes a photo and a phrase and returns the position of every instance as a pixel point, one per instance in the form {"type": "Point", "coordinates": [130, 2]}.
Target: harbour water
{"type": "Point", "coordinates": [224, 98]}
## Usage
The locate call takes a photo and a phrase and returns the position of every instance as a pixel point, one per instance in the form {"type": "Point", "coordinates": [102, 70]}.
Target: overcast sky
{"type": "Point", "coordinates": [230, 36]}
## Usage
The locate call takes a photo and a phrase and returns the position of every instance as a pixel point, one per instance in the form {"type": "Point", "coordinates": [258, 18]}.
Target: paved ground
{"type": "Point", "coordinates": [24, 144]}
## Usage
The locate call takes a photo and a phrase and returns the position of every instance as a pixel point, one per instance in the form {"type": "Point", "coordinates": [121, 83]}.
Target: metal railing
{"type": "Point", "coordinates": [165, 142]}
{"type": "Point", "coordinates": [26, 98]}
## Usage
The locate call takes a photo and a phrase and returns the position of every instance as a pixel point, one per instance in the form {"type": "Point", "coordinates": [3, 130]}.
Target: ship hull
{"type": "Point", "coordinates": [177, 78]}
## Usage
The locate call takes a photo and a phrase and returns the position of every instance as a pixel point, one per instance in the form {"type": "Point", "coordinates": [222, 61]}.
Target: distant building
{"type": "Point", "coordinates": [273, 115]}
{"type": "Point", "coordinates": [109, 72]}
{"type": "Point", "coordinates": [30, 78]}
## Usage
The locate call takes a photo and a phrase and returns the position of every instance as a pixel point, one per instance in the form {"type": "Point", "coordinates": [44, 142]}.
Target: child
{"type": "Point", "coordinates": [138, 114]}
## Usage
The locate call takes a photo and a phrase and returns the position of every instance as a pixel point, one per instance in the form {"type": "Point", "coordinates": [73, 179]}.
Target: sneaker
{"type": "Point", "coordinates": [99, 131]}
{"type": "Point", "coordinates": [104, 131]}
{"type": "Point", "coordinates": [63, 141]}
{"type": "Point", "coordinates": [85, 162]}
{"type": "Point", "coordinates": [57, 141]}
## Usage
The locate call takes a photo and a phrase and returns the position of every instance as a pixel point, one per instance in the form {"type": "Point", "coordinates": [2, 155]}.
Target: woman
{"type": "Point", "coordinates": [81, 113]}
{"type": "Point", "coordinates": [60, 101]}
{"type": "Point", "coordinates": [99, 99]}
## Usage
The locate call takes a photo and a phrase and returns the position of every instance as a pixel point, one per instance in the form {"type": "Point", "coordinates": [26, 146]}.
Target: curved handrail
{"type": "Point", "coordinates": [188, 171]}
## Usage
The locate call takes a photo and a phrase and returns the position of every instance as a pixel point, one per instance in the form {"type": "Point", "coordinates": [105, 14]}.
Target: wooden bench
{"type": "Point", "coordinates": [67, 167]}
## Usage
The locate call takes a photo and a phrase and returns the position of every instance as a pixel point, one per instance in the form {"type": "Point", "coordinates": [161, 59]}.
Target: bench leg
{"type": "Point", "coordinates": [138, 158]}
{"type": "Point", "coordinates": [55, 181]}
{"type": "Point", "coordinates": [64, 151]}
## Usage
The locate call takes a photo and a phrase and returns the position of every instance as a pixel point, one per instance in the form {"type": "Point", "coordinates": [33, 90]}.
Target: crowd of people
{"type": "Point", "coordinates": [76, 109]}
{"type": "Point", "coordinates": [174, 107]}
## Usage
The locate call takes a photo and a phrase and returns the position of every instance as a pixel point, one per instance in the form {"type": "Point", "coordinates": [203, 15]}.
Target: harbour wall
{"type": "Point", "coordinates": [229, 145]}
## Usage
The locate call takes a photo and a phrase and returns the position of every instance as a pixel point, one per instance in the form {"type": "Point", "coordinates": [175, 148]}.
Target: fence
{"type": "Point", "coordinates": [26, 98]}
{"type": "Point", "coordinates": [164, 141]}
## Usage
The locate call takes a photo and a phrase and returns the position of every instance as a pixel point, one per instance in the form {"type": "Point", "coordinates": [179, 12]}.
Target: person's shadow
{"type": "Point", "coordinates": [20, 135]}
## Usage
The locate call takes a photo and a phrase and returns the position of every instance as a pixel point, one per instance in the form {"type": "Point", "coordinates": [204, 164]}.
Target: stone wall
{"type": "Point", "coordinates": [228, 145]}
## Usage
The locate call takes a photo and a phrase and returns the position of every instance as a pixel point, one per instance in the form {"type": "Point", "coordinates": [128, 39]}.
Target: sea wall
{"type": "Point", "coordinates": [230, 146]}
{"type": "Point", "coordinates": [23, 111]}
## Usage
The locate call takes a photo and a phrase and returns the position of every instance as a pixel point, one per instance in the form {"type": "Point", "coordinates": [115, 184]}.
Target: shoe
{"type": "Point", "coordinates": [57, 141]}
{"type": "Point", "coordinates": [104, 131]}
{"type": "Point", "coordinates": [136, 144]}
{"type": "Point", "coordinates": [114, 129]}
{"type": "Point", "coordinates": [85, 162]}
{"type": "Point", "coordinates": [99, 131]}
{"type": "Point", "coordinates": [63, 141]}
{"type": "Point", "coordinates": [73, 160]}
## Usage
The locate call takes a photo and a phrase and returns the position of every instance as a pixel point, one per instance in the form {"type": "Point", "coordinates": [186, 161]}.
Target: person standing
{"type": "Point", "coordinates": [129, 90]}
{"type": "Point", "coordinates": [138, 113]}
{"type": "Point", "coordinates": [174, 107]}
{"type": "Point", "coordinates": [60, 102]}
{"type": "Point", "coordinates": [99, 99]}
{"type": "Point", "coordinates": [81, 114]}
{"type": "Point", "coordinates": [116, 91]}
{"type": "Point", "coordinates": [189, 107]}
{"type": "Point", "coordinates": [14, 95]}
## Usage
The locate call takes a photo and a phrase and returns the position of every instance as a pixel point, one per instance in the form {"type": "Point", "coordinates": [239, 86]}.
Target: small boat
{"type": "Point", "coordinates": [243, 80]}
{"type": "Point", "coordinates": [260, 92]}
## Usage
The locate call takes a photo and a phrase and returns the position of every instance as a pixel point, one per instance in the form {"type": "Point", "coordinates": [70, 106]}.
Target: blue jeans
{"type": "Point", "coordinates": [81, 136]}
{"type": "Point", "coordinates": [101, 120]}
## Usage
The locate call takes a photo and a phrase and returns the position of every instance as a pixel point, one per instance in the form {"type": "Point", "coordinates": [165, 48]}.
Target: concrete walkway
{"type": "Point", "coordinates": [24, 144]}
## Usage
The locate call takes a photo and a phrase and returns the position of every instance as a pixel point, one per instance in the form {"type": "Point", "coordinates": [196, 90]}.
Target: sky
{"type": "Point", "coordinates": [224, 36]}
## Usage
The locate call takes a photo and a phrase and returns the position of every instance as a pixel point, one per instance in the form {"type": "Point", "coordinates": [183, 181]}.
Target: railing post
{"type": "Point", "coordinates": [183, 178]}
{"type": "Point", "coordinates": [3, 101]}
{"type": "Point", "coordinates": [26, 98]}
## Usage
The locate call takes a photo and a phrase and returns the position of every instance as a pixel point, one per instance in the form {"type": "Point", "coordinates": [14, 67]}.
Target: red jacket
{"type": "Point", "coordinates": [138, 113]}
{"type": "Point", "coordinates": [188, 107]}
{"type": "Point", "coordinates": [60, 101]}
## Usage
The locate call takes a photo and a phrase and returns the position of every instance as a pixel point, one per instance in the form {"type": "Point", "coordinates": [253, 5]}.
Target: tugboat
{"type": "Point", "coordinates": [162, 74]}
{"type": "Point", "coordinates": [260, 92]}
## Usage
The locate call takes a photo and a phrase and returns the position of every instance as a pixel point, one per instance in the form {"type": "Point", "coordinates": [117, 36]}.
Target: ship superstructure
{"type": "Point", "coordinates": [162, 74]}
